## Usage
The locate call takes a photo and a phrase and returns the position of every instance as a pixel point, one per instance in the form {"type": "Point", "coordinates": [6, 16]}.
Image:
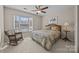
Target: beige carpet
{"type": "Point", "coordinates": [29, 46]}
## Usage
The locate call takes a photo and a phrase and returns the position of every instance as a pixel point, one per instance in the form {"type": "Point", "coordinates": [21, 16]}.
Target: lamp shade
{"type": "Point", "coordinates": [38, 11]}
{"type": "Point", "coordinates": [66, 24]}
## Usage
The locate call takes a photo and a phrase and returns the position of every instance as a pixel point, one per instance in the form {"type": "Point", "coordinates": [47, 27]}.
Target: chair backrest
{"type": "Point", "coordinates": [9, 32]}
{"type": "Point", "coordinates": [13, 35]}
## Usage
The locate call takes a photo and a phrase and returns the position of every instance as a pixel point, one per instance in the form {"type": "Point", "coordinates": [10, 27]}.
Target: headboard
{"type": "Point", "coordinates": [55, 27]}
{"type": "Point", "coordinates": [58, 27]}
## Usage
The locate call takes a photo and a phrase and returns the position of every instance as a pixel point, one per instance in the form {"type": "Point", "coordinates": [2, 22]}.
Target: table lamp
{"type": "Point", "coordinates": [66, 30]}
{"type": "Point", "coordinates": [66, 26]}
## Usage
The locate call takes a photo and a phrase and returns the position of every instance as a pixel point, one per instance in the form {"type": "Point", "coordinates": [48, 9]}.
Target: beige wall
{"type": "Point", "coordinates": [1, 26]}
{"type": "Point", "coordinates": [64, 13]}
{"type": "Point", "coordinates": [76, 28]}
{"type": "Point", "coordinates": [9, 16]}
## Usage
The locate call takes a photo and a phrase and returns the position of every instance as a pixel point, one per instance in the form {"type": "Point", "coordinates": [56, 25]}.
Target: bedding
{"type": "Point", "coordinates": [46, 38]}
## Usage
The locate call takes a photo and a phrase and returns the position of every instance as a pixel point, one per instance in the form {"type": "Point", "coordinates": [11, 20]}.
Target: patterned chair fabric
{"type": "Point", "coordinates": [14, 37]}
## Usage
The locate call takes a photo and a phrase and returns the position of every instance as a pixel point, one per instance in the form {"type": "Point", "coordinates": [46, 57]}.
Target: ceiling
{"type": "Point", "coordinates": [28, 8]}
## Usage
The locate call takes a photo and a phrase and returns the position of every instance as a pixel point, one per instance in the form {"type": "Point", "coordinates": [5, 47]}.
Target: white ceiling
{"type": "Point", "coordinates": [31, 7]}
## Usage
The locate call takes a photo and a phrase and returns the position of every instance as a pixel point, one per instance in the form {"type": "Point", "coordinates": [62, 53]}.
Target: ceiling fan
{"type": "Point", "coordinates": [40, 9]}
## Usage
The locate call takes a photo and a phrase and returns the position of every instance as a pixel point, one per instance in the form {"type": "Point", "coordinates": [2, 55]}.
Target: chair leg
{"type": "Point", "coordinates": [22, 38]}
{"type": "Point", "coordinates": [16, 42]}
{"type": "Point", "coordinates": [13, 43]}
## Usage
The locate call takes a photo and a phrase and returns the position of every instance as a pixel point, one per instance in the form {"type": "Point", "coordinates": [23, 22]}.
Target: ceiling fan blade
{"type": "Point", "coordinates": [43, 11]}
{"type": "Point", "coordinates": [36, 7]}
{"type": "Point", "coordinates": [44, 8]}
{"type": "Point", "coordinates": [39, 6]}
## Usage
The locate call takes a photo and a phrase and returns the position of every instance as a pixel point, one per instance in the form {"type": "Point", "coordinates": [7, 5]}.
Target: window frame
{"type": "Point", "coordinates": [30, 28]}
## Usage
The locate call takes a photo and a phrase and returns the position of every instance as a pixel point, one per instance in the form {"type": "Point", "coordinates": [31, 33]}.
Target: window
{"type": "Point", "coordinates": [23, 23]}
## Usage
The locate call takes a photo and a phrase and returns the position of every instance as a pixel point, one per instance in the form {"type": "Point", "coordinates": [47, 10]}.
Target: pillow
{"type": "Point", "coordinates": [47, 28]}
{"type": "Point", "coordinates": [55, 28]}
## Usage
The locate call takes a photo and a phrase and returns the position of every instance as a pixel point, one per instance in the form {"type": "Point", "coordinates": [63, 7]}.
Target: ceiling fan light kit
{"type": "Point", "coordinates": [38, 11]}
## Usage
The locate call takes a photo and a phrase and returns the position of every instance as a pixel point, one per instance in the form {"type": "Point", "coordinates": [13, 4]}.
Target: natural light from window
{"type": "Point", "coordinates": [23, 23]}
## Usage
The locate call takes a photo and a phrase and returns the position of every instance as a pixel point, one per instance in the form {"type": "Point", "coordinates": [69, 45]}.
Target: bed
{"type": "Point", "coordinates": [47, 37]}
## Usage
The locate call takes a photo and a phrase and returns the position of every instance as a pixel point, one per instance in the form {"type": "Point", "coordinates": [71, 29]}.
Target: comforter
{"type": "Point", "coordinates": [46, 38]}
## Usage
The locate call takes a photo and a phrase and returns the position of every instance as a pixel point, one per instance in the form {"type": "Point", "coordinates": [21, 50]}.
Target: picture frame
{"type": "Point", "coordinates": [53, 20]}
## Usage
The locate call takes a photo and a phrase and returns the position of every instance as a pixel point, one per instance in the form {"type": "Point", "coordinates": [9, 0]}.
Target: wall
{"type": "Point", "coordinates": [1, 26]}
{"type": "Point", "coordinates": [64, 13]}
{"type": "Point", "coordinates": [76, 28]}
{"type": "Point", "coordinates": [9, 16]}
